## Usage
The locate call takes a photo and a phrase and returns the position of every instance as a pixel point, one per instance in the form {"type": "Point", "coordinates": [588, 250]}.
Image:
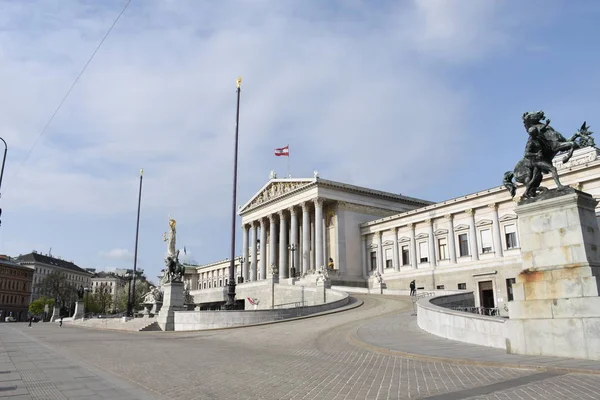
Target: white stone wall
{"type": "Point", "coordinates": [460, 326]}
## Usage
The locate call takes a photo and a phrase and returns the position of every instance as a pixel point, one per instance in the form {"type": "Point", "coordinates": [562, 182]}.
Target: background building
{"type": "Point", "coordinates": [15, 289]}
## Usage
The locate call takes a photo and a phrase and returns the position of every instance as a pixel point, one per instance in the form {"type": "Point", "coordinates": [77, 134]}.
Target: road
{"type": "Point", "coordinates": [305, 359]}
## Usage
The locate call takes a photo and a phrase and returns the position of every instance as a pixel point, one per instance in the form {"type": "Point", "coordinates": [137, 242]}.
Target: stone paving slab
{"type": "Point", "coordinates": [401, 335]}
{"type": "Point", "coordinates": [30, 369]}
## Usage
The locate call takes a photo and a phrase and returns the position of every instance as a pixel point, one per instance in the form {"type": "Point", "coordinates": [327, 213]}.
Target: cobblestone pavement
{"type": "Point", "coordinates": [303, 359]}
{"type": "Point", "coordinates": [30, 369]}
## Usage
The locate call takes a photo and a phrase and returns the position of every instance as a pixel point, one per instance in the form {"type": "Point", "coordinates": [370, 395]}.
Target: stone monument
{"type": "Point", "coordinates": [79, 305]}
{"type": "Point", "coordinates": [171, 283]}
{"type": "Point", "coordinates": [556, 308]}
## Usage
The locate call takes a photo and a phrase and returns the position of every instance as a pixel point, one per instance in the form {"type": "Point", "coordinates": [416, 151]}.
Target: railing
{"type": "Point", "coordinates": [492, 312]}
{"type": "Point", "coordinates": [417, 297]}
{"type": "Point", "coordinates": [294, 304]}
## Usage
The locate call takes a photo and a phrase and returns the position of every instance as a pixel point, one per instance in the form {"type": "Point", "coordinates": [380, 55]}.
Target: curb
{"type": "Point", "coordinates": [353, 339]}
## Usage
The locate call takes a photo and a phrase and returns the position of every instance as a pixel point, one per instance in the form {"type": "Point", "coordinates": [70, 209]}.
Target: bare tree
{"type": "Point", "coordinates": [57, 286]}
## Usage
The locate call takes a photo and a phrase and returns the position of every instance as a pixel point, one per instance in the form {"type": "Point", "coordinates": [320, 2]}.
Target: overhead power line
{"type": "Point", "coordinates": [47, 125]}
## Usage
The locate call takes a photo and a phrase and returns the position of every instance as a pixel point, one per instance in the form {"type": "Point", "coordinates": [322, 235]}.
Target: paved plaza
{"type": "Point", "coordinates": [374, 351]}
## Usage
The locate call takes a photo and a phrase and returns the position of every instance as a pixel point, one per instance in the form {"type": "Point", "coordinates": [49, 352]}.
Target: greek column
{"type": "Point", "coordinates": [473, 235]}
{"type": "Point", "coordinates": [451, 242]}
{"type": "Point", "coordinates": [283, 250]}
{"type": "Point", "coordinates": [244, 266]}
{"type": "Point", "coordinates": [497, 235]}
{"type": "Point", "coordinates": [262, 265]}
{"type": "Point", "coordinates": [413, 246]}
{"type": "Point", "coordinates": [318, 233]}
{"type": "Point", "coordinates": [363, 253]}
{"type": "Point", "coordinates": [395, 250]}
{"type": "Point", "coordinates": [253, 252]}
{"type": "Point", "coordinates": [379, 252]}
{"type": "Point", "coordinates": [305, 238]}
{"type": "Point", "coordinates": [432, 259]}
{"type": "Point", "coordinates": [294, 238]}
{"type": "Point", "coordinates": [272, 241]}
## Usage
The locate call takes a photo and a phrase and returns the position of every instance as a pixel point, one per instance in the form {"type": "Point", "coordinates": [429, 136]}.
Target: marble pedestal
{"type": "Point", "coordinates": [173, 298]}
{"type": "Point", "coordinates": [556, 308]}
{"type": "Point", "coordinates": [79, 312]}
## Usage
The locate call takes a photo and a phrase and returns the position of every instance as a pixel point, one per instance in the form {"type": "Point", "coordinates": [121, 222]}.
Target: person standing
{"type": "Point", "coordinates": [60, 324]}
{"type": "Point", "coordinates": [413, 288]}
{"type": "Point", "coordinates": [30, 320]}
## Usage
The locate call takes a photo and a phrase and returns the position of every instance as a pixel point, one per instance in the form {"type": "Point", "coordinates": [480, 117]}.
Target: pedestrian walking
{"type": "Point", "coordinates": [30, 320]}
{"type": "Point", "coordinates": [60, 321]}
{"type": "Point", "coordinates": [413, 288]}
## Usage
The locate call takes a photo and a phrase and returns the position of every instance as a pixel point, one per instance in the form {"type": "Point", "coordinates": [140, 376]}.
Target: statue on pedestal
{"type": "Point", "coordinates": [543, 144]}
{"type": "Point", "coordinates": [175, 270]}
{"type": "Point", "coordinates": [153, 296]}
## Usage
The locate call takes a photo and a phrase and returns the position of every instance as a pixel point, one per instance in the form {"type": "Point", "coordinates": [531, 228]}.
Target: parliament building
{"type": "Point", "coordinates": [297, 226]}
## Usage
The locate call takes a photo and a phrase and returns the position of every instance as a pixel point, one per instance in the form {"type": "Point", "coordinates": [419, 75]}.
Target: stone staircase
{"type": "Point", "coordinates": [136, 324]}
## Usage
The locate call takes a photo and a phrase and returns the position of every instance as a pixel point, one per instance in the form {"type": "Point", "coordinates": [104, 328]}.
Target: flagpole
{"type": "Point", "coordinates": [230, 304]}
{"type": "Point", "coordinates": [288, 163]}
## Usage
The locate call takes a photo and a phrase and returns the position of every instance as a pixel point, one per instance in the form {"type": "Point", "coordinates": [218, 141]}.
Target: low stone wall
{"type": "Point", "coordinates": [460, 326]}
{"type": "Point", "coordinates": [199, 320]}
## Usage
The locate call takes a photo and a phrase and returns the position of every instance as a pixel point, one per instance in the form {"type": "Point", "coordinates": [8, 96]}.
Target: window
{"type": "Point", "coordinates": [423, 253]}
{"type": "Point", "coordinates": [486, 241]}
{"type": "Point", "coordinates": [443, 248]}
{"type": "Point", "coordinates": [405, 255]}
{"type": "Point", "coordinates": [510, 234]}
{"type": "Point", "coordinates": [388, 258]}
{"type": "Point", "coordinates": [463, 245]}
{"type": "Point", "coordinates": [373, 261]}
{"type": "Point", "coordinates": [440, 287]}
{"type": "Point", "coordinates": [462, 286]}
{"type": "Point", "coordinates": [509, 289]}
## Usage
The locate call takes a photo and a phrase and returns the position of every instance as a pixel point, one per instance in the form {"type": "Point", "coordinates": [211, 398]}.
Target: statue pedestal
{"type": "Point", "coordinates": [79, 312]}
{"type": "Point", "coordinates": [55, 314]}
{"type": "Point", "coordinates": [173, 298]}
{"type": "Point", "coordinates": [556, 308]}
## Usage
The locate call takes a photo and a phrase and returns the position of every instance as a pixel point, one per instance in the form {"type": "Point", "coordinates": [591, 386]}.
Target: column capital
{"type": "Point", "coordinates": [305, 206]}
{"type": "Point", "coordinates": [319, 201]}
{"type": "Point", "coordinates": [292, 209]}
{"type": "Point", "coordinates": [261, 222]}
{"type": "Point", "coordinates": [493, 206]}
{"type": "Point", "coordinates": [395, 229]}
{"type": "Point", "coordinates": [449, 216]}
{"type": "Point", "coordinates": [429, 221]}
{"type": "Point", "coordinates": [410, 225]}
{"type": "Point", "coordinates": [281, 213]}
{"type": "Point", "coordinates": [379, 234]}
{"type": "Point", "coordinates": [271, 218]}
{"type": "Point", "coordinates": [470, 211]}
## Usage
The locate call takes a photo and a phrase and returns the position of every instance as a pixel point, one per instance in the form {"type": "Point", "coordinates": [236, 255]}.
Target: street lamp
{"type": "Point", "coordinates": [2, 170]}
{"type": "Point", "coordinates": [129, 276]}
{"type": "Point", "coordinates": [230, 304]}
{"type": "Point", "coordinates": [137, 233]}
{"type": "Point", "coordinates": [293, 248]}
{"type": "Point", "coordinates": [241, 278]}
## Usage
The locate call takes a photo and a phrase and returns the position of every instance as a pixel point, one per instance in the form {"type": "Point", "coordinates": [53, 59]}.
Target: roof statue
{"type": "Point", "coordinates": [543, 144]}
{"type": "Point", "coordinates": [272, 175]}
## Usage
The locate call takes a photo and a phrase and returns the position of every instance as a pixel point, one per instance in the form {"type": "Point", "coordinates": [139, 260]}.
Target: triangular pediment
{"type": "Point", "coordinates": [441, 232]}
{"type": "Point", "coordinates": [484, 222]}
{"type": "Point", "coordinates": [275, 189]}
{"type": "Point", "coordinates": [507, 217]}
{"type": "Point", "coordinates": [404, 239]}
{"type": "Point", "coordinates": [461, 227]}
{"type": "Point", "coordinates": [421, 236]}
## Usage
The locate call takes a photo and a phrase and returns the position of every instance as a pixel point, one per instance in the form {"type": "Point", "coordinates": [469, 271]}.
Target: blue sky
{"type": "Point", "coordinates": [416, 97]}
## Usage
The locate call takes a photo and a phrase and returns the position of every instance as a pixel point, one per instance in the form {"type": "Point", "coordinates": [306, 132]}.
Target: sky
{"type": "Point", "coordinates": [419, 97]}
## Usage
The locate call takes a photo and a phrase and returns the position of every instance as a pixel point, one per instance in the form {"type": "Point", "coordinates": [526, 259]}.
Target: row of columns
{"type": "Point", "coordinates": [473, 243]}
{"type": "Point", "coordinates": [250, 266]}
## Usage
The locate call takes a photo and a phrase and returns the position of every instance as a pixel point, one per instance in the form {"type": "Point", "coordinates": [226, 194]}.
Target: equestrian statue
{"type": "Point", "coordinates": [543, 144]}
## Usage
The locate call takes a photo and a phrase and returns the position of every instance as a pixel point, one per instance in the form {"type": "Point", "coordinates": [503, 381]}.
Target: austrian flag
{"type": "Point", "coordinates": [283, 151]}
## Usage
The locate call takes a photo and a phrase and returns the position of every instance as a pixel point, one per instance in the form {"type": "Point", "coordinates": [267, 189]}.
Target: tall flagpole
{"type": "Point", "coordinates": [288, 169]}
{"type": "Point", "coordinates": [230, 304]}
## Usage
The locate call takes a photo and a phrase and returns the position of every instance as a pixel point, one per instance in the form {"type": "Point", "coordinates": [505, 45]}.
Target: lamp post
{"type": "Point", "coordinates": [242, 261]}
{"type": "Point", "coordinates": [137, 233]}
{"type": "Point", "coordinates": [2, 170]}
{"type": "Point", "coordinates": [86, 299]}
{"type": "Point", "coordinates": [230, 304]}
{"type": "Point", "coordinates": [129, 277]}
{"type": "Point", "coordinates": [293, 248]}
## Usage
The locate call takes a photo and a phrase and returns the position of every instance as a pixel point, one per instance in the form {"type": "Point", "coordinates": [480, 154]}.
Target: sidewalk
{"type": "Point", "coordinates": [400, 335]}
{"type": "Point", "coordinates": [29, 369]}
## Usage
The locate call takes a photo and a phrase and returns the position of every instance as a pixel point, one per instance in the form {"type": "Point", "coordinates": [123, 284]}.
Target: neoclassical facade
{"type": "Point", "coordinates": [468, 243]}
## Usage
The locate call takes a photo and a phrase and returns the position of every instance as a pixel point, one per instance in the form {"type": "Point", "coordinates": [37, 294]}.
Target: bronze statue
{"type": "Point", "coordinates": [543, 145]}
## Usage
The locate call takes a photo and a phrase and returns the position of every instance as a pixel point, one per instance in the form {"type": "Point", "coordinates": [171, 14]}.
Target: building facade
{"type": "Point", "coordinates": [44, 264]}
{"type": "Point", "coordinates": [467, 243]}
{"type": "Point", "coordinates": [15, 289]}
{"type": "Point", "coordinates": [107, 283]}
